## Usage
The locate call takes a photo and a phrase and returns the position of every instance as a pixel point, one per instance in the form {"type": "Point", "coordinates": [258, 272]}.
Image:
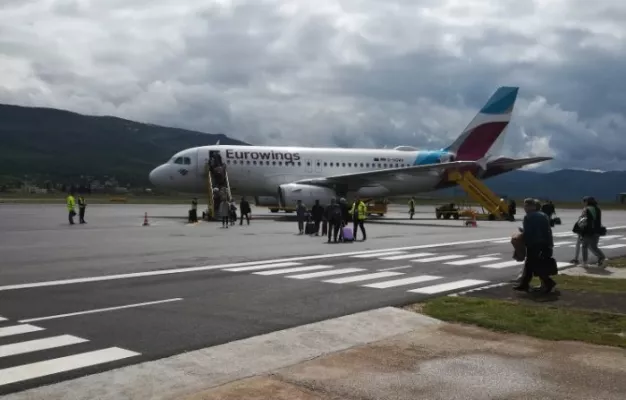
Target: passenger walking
{"type": "Point", "coordinates": [334, 217]}
{"type": "Point", "coordinates": [317, 213]}
{"type": "Point", "coordinates": [82, 205]}
{"type": "Point", "coordinates": [301, 215]}
{"type": "Point", "coordinates": [590, 223]}
{"type": "Point", "coordinates": [411, 207]}
{"type": "Point", "coordinates": [359, 213]}
{"type": "Point", "coordinates": [224, 212]}
{"type": "Point", "coordinates": [193, 212]}
{"type": "Point", "coordinates": [244, 209]}
{"type": "Point", "coordinates": [233, 212]}
{"type": "Point", "coordinates": [537, 236]}
{"type": "Point", "coordinates": [71, 204]}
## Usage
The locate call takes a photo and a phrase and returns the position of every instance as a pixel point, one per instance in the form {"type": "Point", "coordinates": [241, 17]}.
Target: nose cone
{"type": "Point", "coordinates": [157, 176]}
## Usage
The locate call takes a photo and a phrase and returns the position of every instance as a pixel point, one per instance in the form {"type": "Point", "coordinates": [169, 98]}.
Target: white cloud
{"type": "Point", "coordinates": [348, 73]}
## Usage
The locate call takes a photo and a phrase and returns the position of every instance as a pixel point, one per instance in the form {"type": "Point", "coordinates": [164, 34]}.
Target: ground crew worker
{"type": "Point", "coordinates": [71, 203]}
{"type": "Point", "coordinates": [82, 204]}
{"type": "Point", "coordinates": [358, 212]}
{"type": "Point", "coordinates": [412, 207]}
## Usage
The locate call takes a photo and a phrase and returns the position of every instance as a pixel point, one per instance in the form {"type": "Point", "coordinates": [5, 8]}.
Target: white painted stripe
{"type": "Point", "coordinates": [614, 246]}
{"type": "Point", "coordinates": [562, 243]}
{"type": "Point", "coordinates": [62, 364]}
{"type": "Point", "coordinates": [98, 310]}
{"type": "Point", "coordinates": [400, 282]}
{"type": "Point", "coordinates": [472, 261]}
{"type": "Point", "coordinates": [366, 277]}
{"type": "Point", "coordinates": [39, 344]}
{"type": "Point", "coordinates": [439, 258]}
{"type": "Point", "coordinates": [18, 329]}
{"type": "Point", "coordinates": [405, 256]}
{"type": "Point", "coordinates": [2, 319]}
{"type": "Point", "coordinates": [241, 264]}
{"type": "Point", "coordinates": [395, 268]}
{"type": "Point", "coordinates": [489, 255]}
{"type": "Point", "coordinates": [446, 287]}
{"type": "Point", "coordinates": [373, 255]}
{"type": "Point", "coordinates": [610, 237]}
{"type": "Point", "coordinates": [564, 234]}
{"type": "Point", "coordinates": [326, 273]}
{"type": "Point", "coordinates": [504, 264]}
{"type": "Point", "coordinates": [266, 266]}
{"type": "Point", "coordinates": [561, 264]}
{"type": "Point", "coordinates": [289, 270]}
{"type": "Point", "coordinates": [502, 241]}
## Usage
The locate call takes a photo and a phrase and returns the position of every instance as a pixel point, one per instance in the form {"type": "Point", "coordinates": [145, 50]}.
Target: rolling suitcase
{"type": "Point", "coordinates": [346, 234]}
{"type": "Point", "coordinates": [309, 228]}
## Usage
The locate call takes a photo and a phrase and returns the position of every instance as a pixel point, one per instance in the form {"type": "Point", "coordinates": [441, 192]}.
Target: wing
{"type": "Point", "coordinates": [359, 179]}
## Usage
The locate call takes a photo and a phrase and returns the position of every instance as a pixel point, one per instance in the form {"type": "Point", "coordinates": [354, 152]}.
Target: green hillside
{"type": "Point", "coordinates": [57, 145]}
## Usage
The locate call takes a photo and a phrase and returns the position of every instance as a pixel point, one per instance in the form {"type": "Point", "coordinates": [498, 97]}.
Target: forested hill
{"type": "Point", "coordinates": [60, 146]}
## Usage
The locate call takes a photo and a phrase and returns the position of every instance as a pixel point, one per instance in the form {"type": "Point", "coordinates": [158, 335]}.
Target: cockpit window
{"type": "Point", "coordinates": [178, 160]}
{"type": "Point", "coordinates": [186, 160]}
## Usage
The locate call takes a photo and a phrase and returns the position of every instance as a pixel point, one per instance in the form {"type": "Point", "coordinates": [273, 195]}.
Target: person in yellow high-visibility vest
{"type": "Point", "coordinates": [71, 203]}
{"type": "Point", "coordinates": [359, 213]}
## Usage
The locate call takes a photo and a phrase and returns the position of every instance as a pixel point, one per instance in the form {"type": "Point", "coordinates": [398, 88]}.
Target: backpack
{"type": "Point", "coordinates": [335, 213]}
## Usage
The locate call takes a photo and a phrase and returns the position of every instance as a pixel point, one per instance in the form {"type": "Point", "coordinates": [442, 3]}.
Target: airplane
{"type": "Point", "coordinates": [281, 175]}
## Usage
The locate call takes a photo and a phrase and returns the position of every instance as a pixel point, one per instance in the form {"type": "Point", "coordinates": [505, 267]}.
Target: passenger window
{"type": "Point", "coordinates": [361, 165]}
{"type": "Point", "coordinates": [325, 164]}
{"type": "Point", "coordinates": [343, 164]}
{"type": "Point", "coordinates": [280, 163]}
{"type": "Point", "coordinates": [299, 163]}
{"type": "Point", "coordinates": [349, 164]}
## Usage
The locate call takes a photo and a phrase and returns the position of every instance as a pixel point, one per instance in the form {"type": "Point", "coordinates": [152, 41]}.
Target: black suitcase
{"type": "Point", "coordinates": [309, 228]}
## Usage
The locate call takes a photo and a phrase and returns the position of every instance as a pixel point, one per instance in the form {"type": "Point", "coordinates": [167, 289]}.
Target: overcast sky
{"type": "Point", "coordinates": [346, 73]}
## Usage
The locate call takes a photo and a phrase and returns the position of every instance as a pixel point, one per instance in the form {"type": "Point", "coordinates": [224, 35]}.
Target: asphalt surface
{"type": "Point", "coordinates": [196, 286]}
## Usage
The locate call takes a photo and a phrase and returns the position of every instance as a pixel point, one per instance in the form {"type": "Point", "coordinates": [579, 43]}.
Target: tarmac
{"type": "Point", "coordinates": [128, 295]}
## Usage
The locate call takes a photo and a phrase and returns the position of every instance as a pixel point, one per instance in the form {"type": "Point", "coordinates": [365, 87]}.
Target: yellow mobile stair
{"type": "Point", "coordinates": [480, 193]}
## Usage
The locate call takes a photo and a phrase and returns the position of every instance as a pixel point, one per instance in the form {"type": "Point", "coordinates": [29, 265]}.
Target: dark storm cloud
{"type": "Point", "coordinates": [331, 73]}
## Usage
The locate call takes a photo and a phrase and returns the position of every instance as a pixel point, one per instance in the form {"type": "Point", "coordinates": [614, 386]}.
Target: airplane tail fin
{"type": "Point", "coordinates": [486, 127]}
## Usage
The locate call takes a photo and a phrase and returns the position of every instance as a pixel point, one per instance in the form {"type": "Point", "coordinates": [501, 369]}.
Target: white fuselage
{"type": "Point", "coordinates": [260, 170]}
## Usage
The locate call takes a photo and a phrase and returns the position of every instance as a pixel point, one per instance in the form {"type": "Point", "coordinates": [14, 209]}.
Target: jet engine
{"type": "Point", "coordinates": [290, 193]}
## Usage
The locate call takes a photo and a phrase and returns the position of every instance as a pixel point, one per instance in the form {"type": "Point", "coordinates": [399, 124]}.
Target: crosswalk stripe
{"type": "Point", "coordinates": [326, 273]}
{"type": "Point", "coordinates": [264, 266]}
{"type": "Point", "coordinates": [405, 256]}
{"type": "Point", "coordinates": [39, 344]}
{"type": "Point", "coordinates": [472, 261]}
{"type": "Point", "coordinates": [62, 364]}
{"type": "Point", "coordinates": [614, 246]}
{"type": "Point", "coordinates": [504, 264]}
{"type": "Point", "coordinates": [446, 287]}
{"type": "Point", "coordinates": [400, 282]}
{"type": "Point", "coordinates": [289, 270]}
{"type": "Point", "coordinates": [366, 277]}
{"type": "Point", "coordinates": [374, 255]}
{"type": "Point", "coordinates": [18, 329]}
{"type": "Point", "coordinates": [611, 237]}
{"type": "Point", "coordinates": [439, 258]}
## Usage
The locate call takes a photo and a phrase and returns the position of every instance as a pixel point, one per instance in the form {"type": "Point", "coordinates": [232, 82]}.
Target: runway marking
{"type": "Point", "coordinates": [610, 237]}
{"type": "Point", "coordinates": [359, 278]}
{"type": "Point", "coordinates": [241, 264]}
{"type": "Point", "coordinates": [504, 264]}
{"type": "Point", "coordinates": [395, 268]}
{"type": "Point", "coordinates": [439, 258]}
{"type": "Point", "coordinates": [561, 264]}
{"type": "Point", "coordinates": [289, 270]}
{"type": "Point", "coordinates": [400, 282]}
{"type": "Point", "coordinates": [326, 273]}
{"type": "Point", "coordinates": [99, 310]}
{"type": "Point", "coordinates": [18, 329]}
{"type": "Point", "coordinates": [62, 364]}
{"type": "Point", "coordinates": [446, 287]}
{"type": "Point", "coordinates": [39, 344]}
{"type": "Point", "coordinates": [472, 261]}
{"type": "Point", "coordinates": [405, 256]}
{"type": "Point", "coordinates": [2, 319]}
{"type": "Point", "coordinates": [564, 234]}
{"type": "Point", "coordinates": [508, 240]}
{"type": "Point", "coordinates": [372, 255]}
{"type": "Point", "coordinates": [489, 255]}
{"type": "Point", "coordinates": [266, 266]}
{"type": "Point", "coordinates": [614, 246]}
{"type": "Point", "coordinates": [562, 243]}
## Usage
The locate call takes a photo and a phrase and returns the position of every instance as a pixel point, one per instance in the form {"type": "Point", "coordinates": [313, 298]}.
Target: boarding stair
{"type": "Point", "coordinates": [479, 192]}
{"type": "Point", "coordinates": [212, 184]}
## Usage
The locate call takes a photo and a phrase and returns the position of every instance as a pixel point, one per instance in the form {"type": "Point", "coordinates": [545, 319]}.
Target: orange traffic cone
{"type": "Point", "coordinates": [145, 220]}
